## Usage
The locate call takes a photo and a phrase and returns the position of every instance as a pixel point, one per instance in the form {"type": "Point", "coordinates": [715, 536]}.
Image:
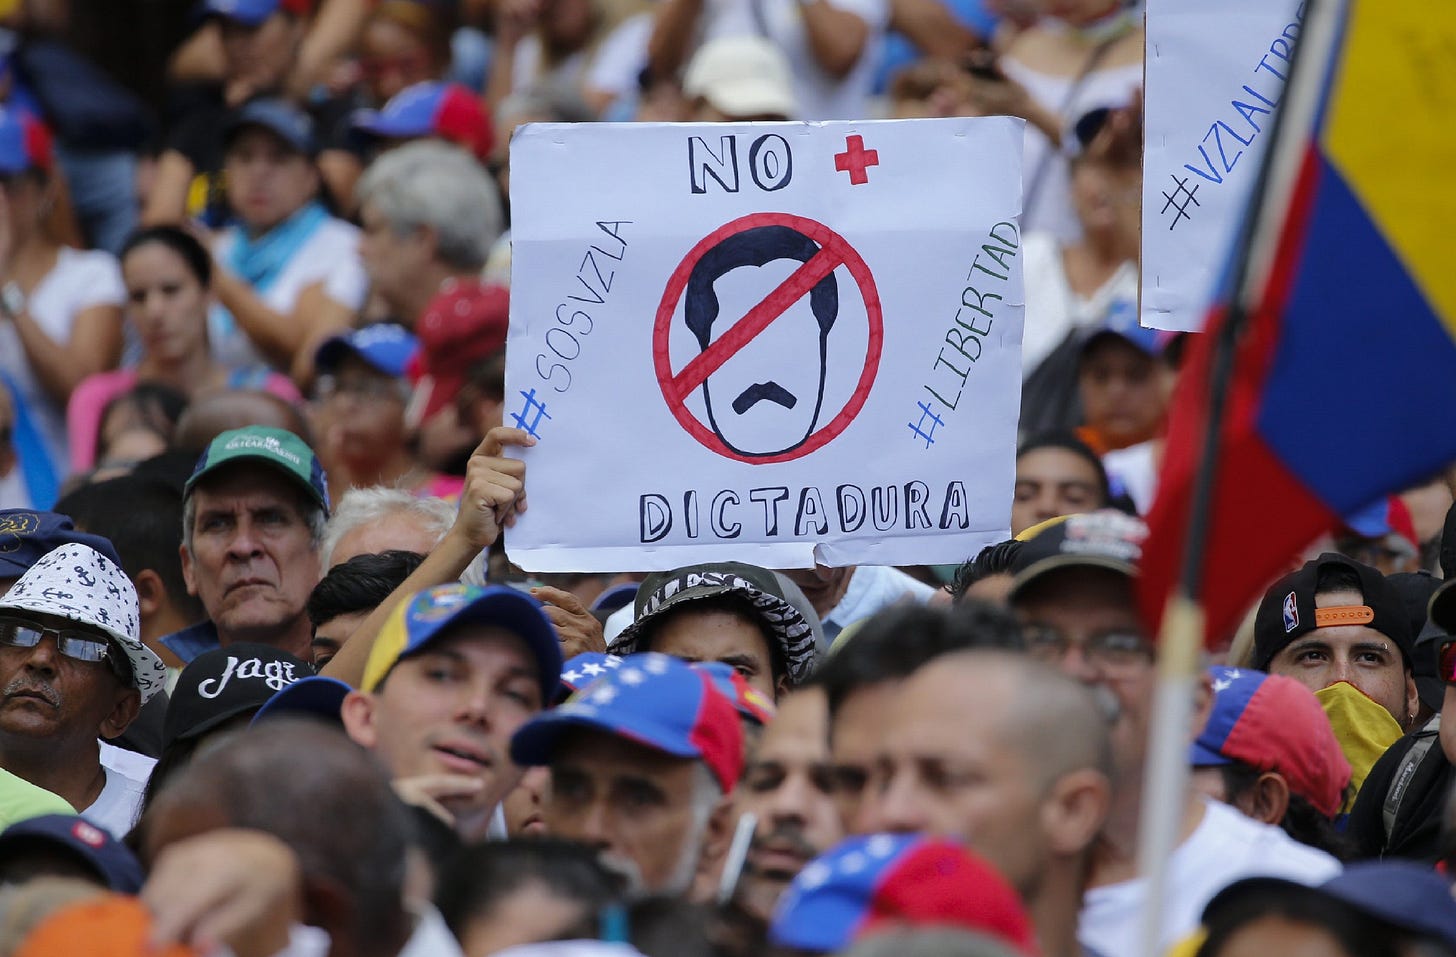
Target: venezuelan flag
{"type": "Point", "coordinates": [1343, 384]}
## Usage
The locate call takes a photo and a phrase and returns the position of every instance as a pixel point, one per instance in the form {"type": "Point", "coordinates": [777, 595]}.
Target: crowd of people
{"type": "Point", "coordinates": [270, 686]}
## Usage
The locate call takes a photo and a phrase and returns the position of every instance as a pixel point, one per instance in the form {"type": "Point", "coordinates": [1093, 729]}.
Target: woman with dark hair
{"type": "Point", "coordinates": [168, 277]}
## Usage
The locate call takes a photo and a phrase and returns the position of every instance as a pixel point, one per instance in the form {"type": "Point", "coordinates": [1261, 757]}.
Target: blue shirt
{"type": "Point", "coordinates": [192, 641]}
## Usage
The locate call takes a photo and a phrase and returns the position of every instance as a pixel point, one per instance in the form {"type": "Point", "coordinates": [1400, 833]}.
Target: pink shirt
{"type": "Point", "coordinates": [90, 398]}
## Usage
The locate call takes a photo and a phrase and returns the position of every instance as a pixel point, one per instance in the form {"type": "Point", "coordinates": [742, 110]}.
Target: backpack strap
{"type": "Point", "coordinates": [1425, 739]}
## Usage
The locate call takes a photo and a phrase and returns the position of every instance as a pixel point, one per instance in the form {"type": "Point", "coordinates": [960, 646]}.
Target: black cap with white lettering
{"type": "Point", "coordinates": [226, 683]}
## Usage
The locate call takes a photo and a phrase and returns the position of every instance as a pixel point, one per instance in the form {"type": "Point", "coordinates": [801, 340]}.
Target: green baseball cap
{"type": "Point", "coordinates": [266, 446]}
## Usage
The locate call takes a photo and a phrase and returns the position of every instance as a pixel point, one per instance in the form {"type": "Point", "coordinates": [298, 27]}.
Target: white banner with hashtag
{"type": "Point", "coordinates": [1215, 75]}
{"type": "Point", "coordinates": [777, 343]}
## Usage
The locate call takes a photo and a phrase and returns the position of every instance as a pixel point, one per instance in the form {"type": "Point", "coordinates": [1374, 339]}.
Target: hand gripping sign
{"type": "Point", "coordinates": [774, 342]}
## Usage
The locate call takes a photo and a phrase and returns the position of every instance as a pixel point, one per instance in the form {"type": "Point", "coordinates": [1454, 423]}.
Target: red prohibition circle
{"type": "Point", "coordinates": [675, 391]}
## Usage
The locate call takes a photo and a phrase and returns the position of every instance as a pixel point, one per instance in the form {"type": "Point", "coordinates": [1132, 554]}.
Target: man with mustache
{"type": "Point", "coordinates": [454, 672]}
{"type": "Point", "coordinates": [640, 762]}
{"type": "Point", "coordinates": [788, 786]}
{"type": "Point", "coordinates": [253, 519]}
{"type": "Point", "coordinates": [73, 669]}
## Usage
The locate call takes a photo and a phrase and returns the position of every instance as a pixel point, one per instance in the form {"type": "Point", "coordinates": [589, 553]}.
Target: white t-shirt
{"type": "Point", "coordinates": [872, 588]}
{"type": "Point", "coordinates": [1052, 309]}
{"type": "Point", "coordinates": [613, 67]}
{"type": "Point", "coordinates": [330, 256]}
{"type": "Point", "coordinates": [116, 808]}
{"type": "Point", "coordinates": [1134, 470]}
{"type": "Point", "coordinates": [1050, 208]}
{"type": "Point", "coordinates": [431, 938]}
{"type": "Point", "coordinates": [1226, 847]}
{"type": "Point", "coordinates": [819, 95]}
{"type": "Point", "coordinates": [80, 280]}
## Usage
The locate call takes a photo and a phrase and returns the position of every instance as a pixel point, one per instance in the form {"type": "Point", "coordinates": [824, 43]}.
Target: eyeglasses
{"type": "Point", "coordinates": [365, 389]}
{"type": "Point", "coordinates": [80, 645]}
{"type": "Point", "coordinates": [1111, 650]}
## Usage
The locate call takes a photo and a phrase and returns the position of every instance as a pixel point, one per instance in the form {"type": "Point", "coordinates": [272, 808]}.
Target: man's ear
{"type": "Point", "coordinates": [124, 709]}
{"type": "Point", "coordinates": [1267, 800]}
{"type": "Point", "coordinates": [782, 687]}
{"type": "Point", "coordinates": [1412, 702]}
{"type": "Point", "coordinates": [1075, 810]}
{"type": "Point", "coordinates": [187, 574]}
{"type": "Point", "coordinates": [358, 714]}
{"type": "Point", "coordinates": [151, 594]}
{"type": "Point", "coordinates": [718, 834]}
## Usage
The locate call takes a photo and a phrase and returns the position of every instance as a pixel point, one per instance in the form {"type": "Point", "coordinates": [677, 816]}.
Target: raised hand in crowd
{"type": "Point", "coordinates": [579, 630]}
{"type": "Point", "coordinates": [230, 887]}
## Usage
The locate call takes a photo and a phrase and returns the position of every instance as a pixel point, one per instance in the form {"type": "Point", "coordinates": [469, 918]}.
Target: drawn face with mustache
{"type": "Point", "coordinates": [766, 394]}
{"type": "Point", "coordinates": [50, 700]}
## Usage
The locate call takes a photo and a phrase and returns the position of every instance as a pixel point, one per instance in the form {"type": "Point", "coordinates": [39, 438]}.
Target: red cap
{"type": "Point", "coordinates": [463, 121]}
{"type": "Point", "coordinates": [1274, 723]}
{"type": "Point", "coordinates": [464, 324]}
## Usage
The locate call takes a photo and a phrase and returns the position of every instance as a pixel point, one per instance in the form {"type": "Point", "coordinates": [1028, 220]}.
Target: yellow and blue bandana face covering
{"type": "Point", "coordinates": [1364, 728]}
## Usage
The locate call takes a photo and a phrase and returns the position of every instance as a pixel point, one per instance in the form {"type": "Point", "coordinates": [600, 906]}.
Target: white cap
{"type": "Point", "coordinates": [741, 77]}
{"type": "Point", "coordinates": [78, 583]}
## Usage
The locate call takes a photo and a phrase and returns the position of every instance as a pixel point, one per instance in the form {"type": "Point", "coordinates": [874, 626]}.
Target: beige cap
{"type": "Point", "coordinates": [742, 77]}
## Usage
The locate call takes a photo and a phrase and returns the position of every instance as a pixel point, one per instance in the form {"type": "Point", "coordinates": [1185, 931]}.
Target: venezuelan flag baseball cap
{"type": "Point", "coordinates": [887, 881]}
{"type": "Point", "coordinates": [655, 700]}
{"type": "Point", "coordinates": [25, 143]}
{"type": "Point", "coordinates": [1273, 723]}
{"type": "Point", "coordinates": [420, 620]}
{"type": "Point", "coordinates": [252, 13]}
{"type": "Point", "coordinates": [582, 670]}
{"type": "Point", "coordinates": [750, 702]}
{"type": "Point", "coordinates": [447, 110]}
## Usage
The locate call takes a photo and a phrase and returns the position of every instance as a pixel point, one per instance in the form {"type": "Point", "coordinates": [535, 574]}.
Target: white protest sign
{"type": "Point", "coordinates": [771, 342]}
{"type": "Point", "coordinates": [1215, 74]}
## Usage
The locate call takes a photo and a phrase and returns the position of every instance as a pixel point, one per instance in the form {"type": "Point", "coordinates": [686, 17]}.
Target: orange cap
{"type": "Point", "coordinates": [110, 926]}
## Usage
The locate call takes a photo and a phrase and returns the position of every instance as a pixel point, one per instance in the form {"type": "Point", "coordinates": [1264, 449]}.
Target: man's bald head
{"type": "Point", "coordinates": [1003, 752]}
{"type": "Point", "coordinates": [1055, 721]}
{"type": "Point", "coordinates": [311, 787]}
{"type": "Point", "coordinates": [214, 413]}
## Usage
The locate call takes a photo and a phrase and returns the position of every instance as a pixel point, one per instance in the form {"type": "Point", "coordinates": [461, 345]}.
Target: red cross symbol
{"type": "Point", "coordinates": [855, 159]}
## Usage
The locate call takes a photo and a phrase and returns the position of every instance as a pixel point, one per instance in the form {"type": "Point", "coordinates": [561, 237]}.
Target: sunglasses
{"type": "Point", "coordinates": [80, 645]}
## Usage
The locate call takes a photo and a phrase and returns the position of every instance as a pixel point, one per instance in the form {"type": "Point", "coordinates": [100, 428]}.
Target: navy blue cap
{"type": "Point", "coordinates": [26, 535]}
{"type": "Point", "coordinates": [315, 696]}
{"type": "Point", "coordinates": [618, 596]}
{"type": "Point", "coordinates": [112, 863]}
{"type": "Point", "coordinates": [1406, 895]}
{"type": "Point", "coordinates": [279, 117]}
{"type": "Point", "coordinates": [386, 347]}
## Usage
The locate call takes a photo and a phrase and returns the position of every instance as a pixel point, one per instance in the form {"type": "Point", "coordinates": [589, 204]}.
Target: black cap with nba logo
{"type": "Point", "coordinates": [1288, 610]}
